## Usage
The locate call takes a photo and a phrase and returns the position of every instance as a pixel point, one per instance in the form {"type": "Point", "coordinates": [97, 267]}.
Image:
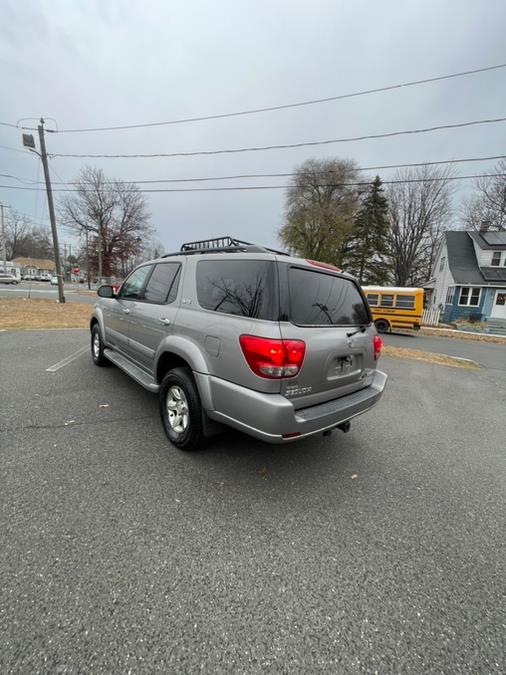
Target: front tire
{"type": "Point", "coordinates": [181, 410]}
{"type": "Point", "coordinates": [97, 347]}
{"type": "Point", "coordinates": [382, 326]}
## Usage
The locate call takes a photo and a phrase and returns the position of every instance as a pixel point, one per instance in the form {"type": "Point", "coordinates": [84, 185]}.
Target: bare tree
{"type": "Point", "coordinates": [488, 205]}
{"type": "Point", "coordinates": [113, 213]}
{"type": "Point", "coordinates": [23, 238]}
{"type": "Point", "coordinates": [419, 213]}
{"type": "Point", "coordinates": [17, 229]}
{"type": "Point", "coordinates": [320, 209]}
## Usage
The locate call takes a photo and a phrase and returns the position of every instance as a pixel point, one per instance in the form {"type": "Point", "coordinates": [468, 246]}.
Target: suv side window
{"type": "Point", "coordinates": [132, 288]}
{"type": "Point", "coordinates": [163, 284]}
{"type": "Point", "coordinates": [240, 287]}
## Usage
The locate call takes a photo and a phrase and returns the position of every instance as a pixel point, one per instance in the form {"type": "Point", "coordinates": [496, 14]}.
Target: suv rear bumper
{"type": "Point", "coordinates": [271, 417]}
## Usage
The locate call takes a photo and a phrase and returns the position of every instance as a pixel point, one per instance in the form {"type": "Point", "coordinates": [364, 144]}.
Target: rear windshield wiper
{"type": "Point", "coordinates": [354, 332]}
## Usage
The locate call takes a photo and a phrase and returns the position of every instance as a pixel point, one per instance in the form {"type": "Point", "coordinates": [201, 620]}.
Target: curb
{"type": "Point", "coordinates": [464, 332]}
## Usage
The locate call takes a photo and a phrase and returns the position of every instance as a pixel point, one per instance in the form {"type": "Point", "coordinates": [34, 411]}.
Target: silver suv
{"type": "Point", "coordinates": [229, 333]}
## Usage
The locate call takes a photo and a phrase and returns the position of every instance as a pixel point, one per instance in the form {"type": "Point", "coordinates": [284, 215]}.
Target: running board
{"type": "Point", "coordinates": [131, 369]}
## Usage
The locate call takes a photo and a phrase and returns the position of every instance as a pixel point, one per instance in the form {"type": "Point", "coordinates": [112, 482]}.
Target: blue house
{"type": "Point", "coordinates": [470, 277]}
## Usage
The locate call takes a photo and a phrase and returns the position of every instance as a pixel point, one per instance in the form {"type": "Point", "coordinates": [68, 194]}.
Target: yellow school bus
{"type": "Point", "coordinates": [393, 307]}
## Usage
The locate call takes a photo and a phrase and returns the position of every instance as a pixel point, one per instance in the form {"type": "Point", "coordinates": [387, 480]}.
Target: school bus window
{"type": "Point", "coordinates": [405, 302]}
{"type": "Point", "coordinates": [387, 300]}
{"type": "Point", "coordinates": [372, 299]}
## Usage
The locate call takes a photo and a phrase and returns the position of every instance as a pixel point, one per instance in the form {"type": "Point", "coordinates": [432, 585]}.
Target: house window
{"type": "Point", "coordinates": [469, 297]}
{"type": "Point", "coordinates": [442, 264]}
{"type": "Point", "coordinates": [496, 258]}
{"type": "Point", "coordinates": [450, 293]}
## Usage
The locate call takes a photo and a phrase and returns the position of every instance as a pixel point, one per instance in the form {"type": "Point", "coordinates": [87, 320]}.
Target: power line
{"type": "Point", "coordinates": [284, 146]}
{"type": "Point", "coordinates": [285, 106]}
{"type": "Point", "coordinates": [8, 147]}
{"type": "Point", "coordinates": [21, 180]}
{"type": "Point", "coordinates": [267, 175]}
{"type": "Point", "coordinates": [270, 175]}
{"type": "Point", "coordinates": [276, 187]}
{"type": "Point", "coordinates": [33, 220]}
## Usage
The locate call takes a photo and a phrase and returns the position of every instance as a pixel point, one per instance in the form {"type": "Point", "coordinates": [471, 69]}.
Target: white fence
{"type": "Point", "coordinates": [430, 317]}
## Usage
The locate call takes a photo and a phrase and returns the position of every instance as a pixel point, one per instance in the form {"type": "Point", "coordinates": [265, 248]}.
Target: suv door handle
{"type": "Point", "coordinates": [126, 310]}
{"type": "Point", "coordinates": [166, 322]}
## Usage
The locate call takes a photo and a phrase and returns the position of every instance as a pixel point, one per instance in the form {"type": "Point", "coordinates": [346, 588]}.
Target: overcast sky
{"type": "Point", "coordinates": [104, 63]}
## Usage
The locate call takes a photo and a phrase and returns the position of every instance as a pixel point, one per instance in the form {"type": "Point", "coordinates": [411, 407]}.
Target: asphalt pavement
{"type": "Point", "coordinates": [44, 290]}
{"type": "Point", "coordinates": [381, 550]}
{"type": "Point", "coordinates": [487, 354]}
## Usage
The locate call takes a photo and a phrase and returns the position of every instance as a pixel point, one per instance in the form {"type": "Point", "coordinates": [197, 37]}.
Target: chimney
{"type": "Point", "coordinates": [484, 225]}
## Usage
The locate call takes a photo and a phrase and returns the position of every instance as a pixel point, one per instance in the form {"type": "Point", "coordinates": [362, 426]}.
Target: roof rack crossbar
{"type": "Point", "coordinates": [225, 244]}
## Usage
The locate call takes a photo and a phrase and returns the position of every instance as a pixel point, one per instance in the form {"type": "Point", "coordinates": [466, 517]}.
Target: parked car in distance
{"type": "Point", "coordinates": [230, 333]}
{"type": "Point", "coordinates": [45, 276]}
{"type": "Point", "coordinates": [54, 281]}
{"type": "Point", "coordinates": [6, 278]}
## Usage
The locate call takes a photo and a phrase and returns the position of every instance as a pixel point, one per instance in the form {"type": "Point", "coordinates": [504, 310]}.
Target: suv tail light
{"type": "Point", "coordinates": [377, 344]}
{"type": "Point", "coordinates": [273, 358]}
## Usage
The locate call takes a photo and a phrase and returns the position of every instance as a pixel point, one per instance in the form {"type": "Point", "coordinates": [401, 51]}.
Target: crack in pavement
{"type": "Point", "coordinates": [68, 425]}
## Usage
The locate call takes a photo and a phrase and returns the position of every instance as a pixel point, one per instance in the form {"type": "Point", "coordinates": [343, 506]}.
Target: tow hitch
{"type": "Point", "coordinates": [344, 426]}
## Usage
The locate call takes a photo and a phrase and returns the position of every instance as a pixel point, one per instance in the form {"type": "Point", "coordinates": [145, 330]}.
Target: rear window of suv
{"type": "Point", "coordinates": [318, 299]}
{"type": "Point", "coordinates": [240, 287]}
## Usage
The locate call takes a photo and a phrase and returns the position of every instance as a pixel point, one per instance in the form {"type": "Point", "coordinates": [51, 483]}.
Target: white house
{"type": "Point", "coordinates": [470, 277]}
{"type": "Point", "coordinates": [11, 268]}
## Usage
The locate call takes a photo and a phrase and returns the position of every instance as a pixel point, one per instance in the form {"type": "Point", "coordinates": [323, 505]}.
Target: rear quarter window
{"type": "Point", "coordinates": [239, 287]}
{"type": "Point", "coordinates": [318, 299]}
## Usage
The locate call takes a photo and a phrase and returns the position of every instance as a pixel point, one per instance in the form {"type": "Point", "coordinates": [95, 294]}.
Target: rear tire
{"type": "Point", "coordinates": [97, 347]}
{"type": "Point", "coordinates": [181, 410]}
{"type": "Point", "coordinates": [382, 326]}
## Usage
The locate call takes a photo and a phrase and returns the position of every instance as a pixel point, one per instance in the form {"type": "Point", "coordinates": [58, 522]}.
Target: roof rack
{"type": "Point", "coordinates": [222, 245]}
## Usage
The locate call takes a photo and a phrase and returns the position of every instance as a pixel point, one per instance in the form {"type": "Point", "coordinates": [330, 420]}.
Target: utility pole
{"type": "Point", "coordinates": [4, 255]}
{"type": "Point", "coordinates": [56, 248]}
{"type": "Point", "coordinates": [87, 261]}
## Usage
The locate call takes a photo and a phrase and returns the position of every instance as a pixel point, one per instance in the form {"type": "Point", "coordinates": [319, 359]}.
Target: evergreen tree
{"type": "Point", "coordinates": [367, 244]}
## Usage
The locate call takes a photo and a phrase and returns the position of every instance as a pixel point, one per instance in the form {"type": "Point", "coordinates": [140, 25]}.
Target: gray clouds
{"type": "Point", "coordinates": [89, 64]}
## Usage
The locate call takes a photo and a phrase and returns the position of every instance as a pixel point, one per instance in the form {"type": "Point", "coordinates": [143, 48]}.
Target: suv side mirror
{"type": "Point", "coordinates": [105, 292]}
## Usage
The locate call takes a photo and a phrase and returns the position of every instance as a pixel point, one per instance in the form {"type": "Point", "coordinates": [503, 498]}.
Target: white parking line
{"type": "Point", "coordinates": [67, 360]}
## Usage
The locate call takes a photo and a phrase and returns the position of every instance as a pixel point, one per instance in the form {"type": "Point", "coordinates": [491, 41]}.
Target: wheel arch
{"type": "Point", "coordinates": [175, 352]}
{"type": "Point", "coordinates": [96, 318]}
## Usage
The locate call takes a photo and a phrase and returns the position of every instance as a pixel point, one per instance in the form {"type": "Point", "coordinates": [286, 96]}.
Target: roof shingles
{"type": "Point", "coordinates": [463, 263]}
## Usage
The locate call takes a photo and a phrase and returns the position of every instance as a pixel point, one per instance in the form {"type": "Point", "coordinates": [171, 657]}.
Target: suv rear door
{"type": "Point", "coordinates": [326, 311]}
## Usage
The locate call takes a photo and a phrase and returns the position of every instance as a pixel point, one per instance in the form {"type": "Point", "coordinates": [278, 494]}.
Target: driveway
{"type": "Point", "coordinates": [490, 355]}
{"type": "Point", "coordinates": [374, 551]}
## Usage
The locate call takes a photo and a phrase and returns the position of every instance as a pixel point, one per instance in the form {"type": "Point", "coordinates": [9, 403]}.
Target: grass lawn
{"type": "Point", "coordinates": [477, 337]}
{"type": "Point", "coordinates": [22, 313]}
{"type": "Point", "coordinates": [428, 357]}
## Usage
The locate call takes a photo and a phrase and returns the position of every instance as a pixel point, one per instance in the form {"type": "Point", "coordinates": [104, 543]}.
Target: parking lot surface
{"type": "Point", "coordinates": [376, 551]}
